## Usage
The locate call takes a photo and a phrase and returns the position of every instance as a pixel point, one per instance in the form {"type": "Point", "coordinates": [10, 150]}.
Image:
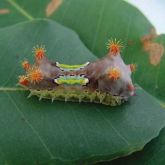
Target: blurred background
{"type": "Point", "coordinates": [154, 10]}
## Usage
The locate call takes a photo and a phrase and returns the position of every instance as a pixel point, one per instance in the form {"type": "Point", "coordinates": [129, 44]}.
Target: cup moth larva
{"type": "Point", "coordinates": [107, 81]}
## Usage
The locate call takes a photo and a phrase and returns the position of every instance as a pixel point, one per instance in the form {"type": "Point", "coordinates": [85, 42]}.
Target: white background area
{"type": "Point", "coordinates": [154, 10]}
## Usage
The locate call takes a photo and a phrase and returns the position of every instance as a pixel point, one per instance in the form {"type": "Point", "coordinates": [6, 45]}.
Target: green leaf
{"type": "Point", "coordinates": [34, 132]}
{"type": "Point", "coordinates": [119, 20]}
{"type": "Point", "coordinates": [12, 15]}
{"type": "Point", "coordinates": [152, 154]}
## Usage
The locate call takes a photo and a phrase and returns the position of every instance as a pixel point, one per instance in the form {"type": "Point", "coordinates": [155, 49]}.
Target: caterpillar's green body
{"type": "Point", "coordinates": [71, 80]}
{"type": "Point", "coordinates": [66, 67]}
{"type": "Point", "coordinates": [107, 81]}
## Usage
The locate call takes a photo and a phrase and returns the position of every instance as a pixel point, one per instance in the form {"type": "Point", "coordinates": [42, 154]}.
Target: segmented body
{"type": "Point", "coordinates": [107, 81]}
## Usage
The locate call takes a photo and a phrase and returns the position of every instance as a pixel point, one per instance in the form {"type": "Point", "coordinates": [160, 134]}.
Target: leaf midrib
{"type": "Point", "coordinates": [21, 10]}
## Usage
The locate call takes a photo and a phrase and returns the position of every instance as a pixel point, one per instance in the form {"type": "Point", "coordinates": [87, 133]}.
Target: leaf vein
{"type": "Point", "coordinates": [21, 10]}
{"type": "Point", "coordinates": [115, 130]}
{"type": "Point", "coordinates": [30, 125]}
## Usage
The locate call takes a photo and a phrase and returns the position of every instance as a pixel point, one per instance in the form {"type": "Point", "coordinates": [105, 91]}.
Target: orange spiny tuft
{"type": "Point", "coordinates": [39, 52]}
{"type": "Point", "coordinates": [25, 65]}
{"type": "Point", "coordinates": [114, 46]}
{"type": "Point", "coordinates": [23, 80]}
{"type": "Point", "coordinates": [133, 67]}
{"type": "Point", "coordinates": [114, 73]}
{"type": "Point", "coordinates": [35, 75]}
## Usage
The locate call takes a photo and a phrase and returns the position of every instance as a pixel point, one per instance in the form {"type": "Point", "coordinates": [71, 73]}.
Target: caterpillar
{"type": "Point", "coordinates": [107, 81]}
